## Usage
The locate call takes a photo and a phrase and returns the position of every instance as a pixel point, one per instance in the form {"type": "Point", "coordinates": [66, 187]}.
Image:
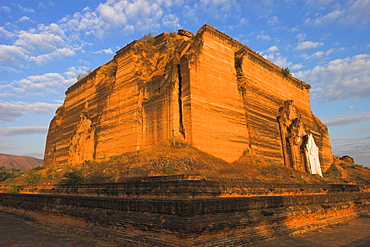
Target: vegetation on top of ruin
{"type": "Point", "coordinates": [286, 72]}
{"type": "Point", "coordinates": [147, 38]}
{"type": "Point", "coordinates": [80, 76]}
{"type": "Point", "coordinates": [110, 69]}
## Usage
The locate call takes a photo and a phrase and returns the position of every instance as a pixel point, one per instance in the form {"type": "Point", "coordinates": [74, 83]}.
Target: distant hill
{"type": "Point", "coordinates": [23, 163]}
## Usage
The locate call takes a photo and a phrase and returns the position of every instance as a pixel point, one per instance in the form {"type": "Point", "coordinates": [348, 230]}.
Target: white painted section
{"type": "Point", "coordinates": [312, 154]}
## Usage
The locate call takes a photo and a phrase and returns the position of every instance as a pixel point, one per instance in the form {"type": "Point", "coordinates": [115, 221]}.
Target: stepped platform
{"type": "Point", "coordinates": [190, 211]}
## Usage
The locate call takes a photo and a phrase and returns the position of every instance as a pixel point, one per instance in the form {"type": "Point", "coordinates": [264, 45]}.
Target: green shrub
{"type": "Point", "coordinates": [147, 38]}
{"type": "Point", "coordinates": [99, 177]}
{"type": "Point", "coordinates": [170, 169]}
{"type": "Point", "coordinates": [9, 173]}
{"type": "Point", "coordinates": [110, 68]}
{"type": "Point", "coordinates": [80, 76]}
{"type": "Point", "coordinates": [75, 177]}
{"type": "Point", "coordinates": [32, 178]}
{"type": "Point", "coordinates": [15, 188]}
{"type": "Point", "coordinates": [286, 72]}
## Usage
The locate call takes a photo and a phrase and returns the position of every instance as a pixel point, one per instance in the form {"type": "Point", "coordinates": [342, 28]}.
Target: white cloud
{"type": "Point", "coordinates": [278, 59]}
{"type": "Point", "coordinates": [5, 33]}
{"type": "Point", "coordinates": [189, 14]}
{"type": "Point", "coordinates": [87, 22]}
{"type": "Point", "coordinates": [357, 13]}
{"type": "Point", "coordinates": [41, 5]}
{"type": "Point", "coordinates": [330, 17]}
{"type": "Point", "coordinates": [340, 79]}
{"type": "Point", "coordinates": [26, 130]}
{"type": "Point", "coordinates": [73, 72]}
{"type": "Point", "coordinates": [58, 53]}
{"type": "Point", "coordinates": [294, 29]}
{"type": "Point", "coordinates": [349, 13]}
{"type": "Point", "coordinates": [273, 20]}
{"type": "Point", "coordinates": [53, 28]}
{"type": "Point", "coordinates": [39, 42]}
{"type": "Point", "coordinates": [113, 14]}
{"type": "Point", "coordinates": [358, 148]}
{"type": "Point", "coordinates": [348, 120]}
{"type": "Point", "coordinates": [26, 9]}
{"type": "Point", "coordinates": [318, 54]}
{"type": "Point", "coordinates": [145, 15]}
{"type": "Point", "coordinates": [10, 111]}
{"type": "Point", "coordinates": [129, 29]}
{"type": "Point", "coordinates": [46, 43]}
{"type": "Point", "coordinates": [13, 56]}
{"type": "Point", "coordinates": [24, 18]}
{"type": "Point", "coordinates": [264, 37]}
{"type": "Point", "coordinates": [5, 9]}
{"type": "Point", "coordinates": [273, 49]}
{"type": "Point", "coordinates": [169, 20]}
{"type": "Point", "coordinates": [48, 82]}
{"type": "Point", "coordinates": [297, 66]}
{"type": "Point", "coordinates": [301, 37]}
{"type": "Point", "coordinates": [104, 51]}
{"type": "Point", "coordinates": [116, 15]}
{"type": "Point", "coordinates": [218, 9]}
{"type": "Point", "coordinates": [361, 130]}
{"type": "Point", "coordinates": [308, 45]}
{"type": "Point", "coordinates": [40, 45]}
{"type": "Point", "coordinates": [242, 22]}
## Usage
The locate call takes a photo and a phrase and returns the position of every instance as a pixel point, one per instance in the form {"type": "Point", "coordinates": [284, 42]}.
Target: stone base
{"type": "Point", "coordinates": [189, 222]}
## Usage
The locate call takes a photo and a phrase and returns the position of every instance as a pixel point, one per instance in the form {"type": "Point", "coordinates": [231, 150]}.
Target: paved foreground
{"type": "Point", "coordinates": [353, 233]}
{"type": "Point", "coordinates": [21, 233]}
{"type": "Point", "coordinates": [16, 232]}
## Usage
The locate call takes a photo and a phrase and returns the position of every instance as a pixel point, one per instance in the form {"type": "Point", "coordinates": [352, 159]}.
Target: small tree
{"type": "Point", "coordinates": [75, 177]}
{"type": "Point", "coordinates": [15, 188]}
{"type": "Point", "coordinates": [286, 71]}
{"type": "Point", "coordinates": [147, 38]}
{"type": "Point", "coordinates": [32, 178]}
{"type": "Point", "coordinates": [80, 76]}
{"type": "Point", "coordinates": [9, 173]}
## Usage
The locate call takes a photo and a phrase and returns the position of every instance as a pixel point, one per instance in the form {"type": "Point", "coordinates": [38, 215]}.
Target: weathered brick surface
{"type": "Point", "coordinates": [189, 186]}
{"type": "Point", "coordinates": [208, 90]}
{"type": "Point", "coordinates": [203, 221]}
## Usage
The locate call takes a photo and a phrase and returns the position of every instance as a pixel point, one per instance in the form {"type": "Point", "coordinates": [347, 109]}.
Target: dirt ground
{"type": "Point", "coordinates": [353, 233]}
{"type": "Point", "coordinates": [17, 232]}
{"type": "Point", "coordinates": [21, 233]}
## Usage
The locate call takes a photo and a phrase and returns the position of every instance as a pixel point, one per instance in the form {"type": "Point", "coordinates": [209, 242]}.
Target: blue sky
{"type": "Point", "coordinates": [44, 45]}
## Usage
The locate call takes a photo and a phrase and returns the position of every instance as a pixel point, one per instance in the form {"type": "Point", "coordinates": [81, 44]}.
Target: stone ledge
{"type": "Point", "coordinates": [193, 186]}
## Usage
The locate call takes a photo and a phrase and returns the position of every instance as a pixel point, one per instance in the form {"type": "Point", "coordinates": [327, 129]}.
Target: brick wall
{"type": "Point", "coordinates": [198, 221]}
{"type": "Point", "coordinates": [191, 186]}
{"type": "Point", "coordinates": [209, 91]}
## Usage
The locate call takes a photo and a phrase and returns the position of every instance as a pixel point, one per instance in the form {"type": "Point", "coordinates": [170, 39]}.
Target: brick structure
{"type": "Point", "coordinates": [188, 222]}
{"type": "Point", "coordinates": [206, 89]}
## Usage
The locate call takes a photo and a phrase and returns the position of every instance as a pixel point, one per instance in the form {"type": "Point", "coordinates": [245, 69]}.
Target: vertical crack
{"type": "Point", "coordinates": [181, 128]}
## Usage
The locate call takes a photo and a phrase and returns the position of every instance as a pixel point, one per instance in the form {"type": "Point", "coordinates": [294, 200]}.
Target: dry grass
{"type": "Point", "coordinates": [168, 159]}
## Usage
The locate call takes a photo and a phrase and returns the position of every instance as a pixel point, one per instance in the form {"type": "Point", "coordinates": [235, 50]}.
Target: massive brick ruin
{"type": "Point", "coordinates": [206, 89]}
